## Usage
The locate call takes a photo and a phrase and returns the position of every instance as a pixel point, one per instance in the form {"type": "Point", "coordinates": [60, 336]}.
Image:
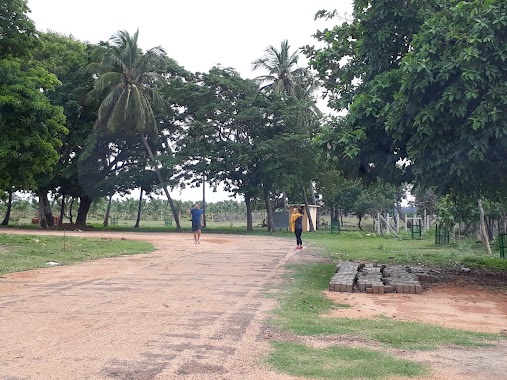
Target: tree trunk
{"type": "Point", "coordinates": [483, 228]}
{"type": "Point", "coordinates": [45, 213]}
{"type": "Point", "coordinates": [204, 200]}
{"type": "Point", "coordinates": [71, 218]}
{"type": "Point", "coordinates": [490, 228]}
{"type": "Point", "coordinates": [108, 211]}
{"type": "Point", "coordinates": [308, 213]}
{"type": "Point", "coordinates": [139, 209]}
{"type": "Point", "coordinates": [334, 213]}
{"type": "Point", "coordinates": [359, 218]}
{"type": "Point", "coordinates": [82, 213]}
{"type": "Point", "coordinates": [62, 210]}
{"type": "Point", "coordinates": [8, 211]}
{"type": "Point", "coordinates": [249, 218]}
{"type": "Point", "coordinates": [162, 182]}
{"type": "Point", "coordinates": [269, 210]}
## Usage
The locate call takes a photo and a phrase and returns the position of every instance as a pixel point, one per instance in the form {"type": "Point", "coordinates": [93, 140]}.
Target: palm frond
{"type": "Point", "coordinates": [131, 80]}
{"type": "Point", "coordinates": [118, 118]}
{"type": "Point", "coordinates": [104, 83]}
{"type": "Point", "coordinates": [107, 106]}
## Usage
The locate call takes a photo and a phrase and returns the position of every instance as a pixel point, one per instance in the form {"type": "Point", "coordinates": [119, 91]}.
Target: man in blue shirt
{"type": "Point", "coordinates": [197, 222]}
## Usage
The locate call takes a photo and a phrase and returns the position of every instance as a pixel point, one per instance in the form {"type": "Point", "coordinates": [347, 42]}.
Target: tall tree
{"type": "Point", "coordinates": [283, 74]}
{"type": "Point", "coordinates": [285, 79]}
{"type": "Point", "coordinates": [17, 31]}
{"type": "Point", "coordinates": [31, 127]}
{"type": "Point", "coordinates": [451, 108]}
{"type": "Point", "coordinates": [66, 57]}
{"type": "Point", "coordinates": [223, 113]}
{"type": "Point", "coordinates": [129, 80]}
{"type": "Point", "coordinates": [358, 66]}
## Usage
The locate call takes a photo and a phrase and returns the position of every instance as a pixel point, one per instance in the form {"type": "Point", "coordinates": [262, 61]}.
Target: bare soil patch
{"type": "Point", "coordinates": [193, 311]}
{"type": "Point", "coordinates": [448, 305]}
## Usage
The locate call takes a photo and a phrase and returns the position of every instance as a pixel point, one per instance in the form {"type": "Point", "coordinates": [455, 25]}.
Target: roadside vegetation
{"type": "Point", "coordinates": [304, 310]}
{"type": "Point", "coordinates": [26, 252]}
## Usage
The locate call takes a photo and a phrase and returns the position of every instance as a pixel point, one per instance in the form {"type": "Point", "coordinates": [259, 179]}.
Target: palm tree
{"type": "Point", "coordinates": [129, 81]}
{"type": "Point", "coordinates": [284, 76]}
{"type": "Point", "coordinates": [284, 79]}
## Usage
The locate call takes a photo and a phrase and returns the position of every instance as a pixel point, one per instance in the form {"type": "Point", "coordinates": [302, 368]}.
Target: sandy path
{"type": "Point", "coordinates": [184, 312]}
{"type": "Point", "coordinates": [192, 311]}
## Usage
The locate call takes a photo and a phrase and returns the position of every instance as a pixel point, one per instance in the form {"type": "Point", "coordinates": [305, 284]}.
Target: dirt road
{"type": "Point", "coordinates": [192, 311]}
{"type": "Point", "coordinates": [186, 311]}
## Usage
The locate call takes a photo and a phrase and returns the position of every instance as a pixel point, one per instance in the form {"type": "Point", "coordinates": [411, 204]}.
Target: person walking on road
{"type": "Point", "coordinates": [296, 220]}
{"type": "Point", "coordinates": [197, 222]}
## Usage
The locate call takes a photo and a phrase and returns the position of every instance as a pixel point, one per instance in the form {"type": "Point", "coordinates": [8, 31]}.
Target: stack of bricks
{"type": "Point", "coordinates": [423, 275]}
{"type": "Point", "coordinates": [382, 279]}
{"type": "Point", "coordinates": [401, 280]}
{"type": "Point", "coordinates": [344, 278]}
{"type": "Point", "coordinates": [369, 279]}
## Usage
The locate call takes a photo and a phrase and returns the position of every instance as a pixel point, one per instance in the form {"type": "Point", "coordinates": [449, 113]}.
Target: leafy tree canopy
{"type": "Point", "coordinates": [31, 127]}
{"type": "Point", "coordinates": [451, 108]}
{"type": "Point", "coordinates": [17, 31]}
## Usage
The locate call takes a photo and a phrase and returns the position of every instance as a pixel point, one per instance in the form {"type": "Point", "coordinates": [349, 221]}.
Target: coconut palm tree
{"type": "Point", "coordinates": [285, 78]}
{"type": "Point", "coordinates": [283, 74]}
{"type": "Point", "coordinates": [127, 84]}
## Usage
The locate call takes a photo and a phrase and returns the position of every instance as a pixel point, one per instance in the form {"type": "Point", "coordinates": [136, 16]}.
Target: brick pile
{"type": "Point", "coordinates": [369, 279]}
{"type": "Point", "coordinates": [401, 280]}
{"type": "Point", "coordinates": [344, 277]}
{"type": "Point", "coordinates": [381, 279]}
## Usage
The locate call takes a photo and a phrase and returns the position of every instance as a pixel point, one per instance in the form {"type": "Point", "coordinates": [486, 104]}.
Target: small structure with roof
{"type": "Point", "coordinates": [306, 221]}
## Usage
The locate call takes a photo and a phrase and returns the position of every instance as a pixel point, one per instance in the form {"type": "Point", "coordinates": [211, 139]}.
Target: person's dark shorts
{"type": "Point", "coordinates": [196, 226]}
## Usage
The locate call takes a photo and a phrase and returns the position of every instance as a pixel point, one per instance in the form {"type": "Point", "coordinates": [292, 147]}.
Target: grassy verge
{"type": "Point", "coordinates": [25, 252]}
{"type": "Point", "coordinates": [404, 250]}
{"type": "Point", "coordinates": [303, 309]}
{"type": "Point", "coordinates": [303, 306]}
{"type": "Point", "coordinates": [339, 363]}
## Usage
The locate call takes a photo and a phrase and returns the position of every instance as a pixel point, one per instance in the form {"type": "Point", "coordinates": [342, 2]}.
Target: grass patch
{"type": "Point", "coordinates": [404, 250]}
{"type": "Point", "coordinates": [303, 304]}
{"type": "Point", "coordinates": [339, 363]}
{"type": "Point", "coordinates": [25, 252]}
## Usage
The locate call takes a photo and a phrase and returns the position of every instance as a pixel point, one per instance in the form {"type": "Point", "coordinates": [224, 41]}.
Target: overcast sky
{"type": "Point", "coordinates": [198, 34]}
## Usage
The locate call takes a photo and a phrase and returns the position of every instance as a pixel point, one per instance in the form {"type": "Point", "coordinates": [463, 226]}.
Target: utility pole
{"type": "Point", "coordinates": [204, 199]}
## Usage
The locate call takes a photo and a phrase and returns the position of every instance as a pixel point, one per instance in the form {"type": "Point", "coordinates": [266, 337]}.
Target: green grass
{"type": "Point", "coordinates": [303, 304]}
{"type": "Point", "coordinates": [339, 362]}
{"type": "Point", "coordinates": [404, 250]}
{"type": "Point", "coordinates": [25, 252]}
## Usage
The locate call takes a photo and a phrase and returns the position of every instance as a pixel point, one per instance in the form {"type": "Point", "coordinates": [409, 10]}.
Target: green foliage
{"type": "Point", "coordinates": [365, 246]}
{"type": "Point", "coordinates": [446, 212]}
{"type": "Point", "coordinates": [17, 31]}
{"type": "Point", "coordinates": [450, 111]}
{"type": "Point", "coordinates": [31, 126]}
{"type": "Point", "coordinates": [359, 66]}
{"type": "Point", "coordinates": [339, 362]}
{"type": "Point", "coordinates": [25, 252]}
{"type": "Point", "coordinates": [284, 77]}
{"type": "Point", "coordinates": [377, 198]}
{"type": "Point", "coordinates": [127, 85]}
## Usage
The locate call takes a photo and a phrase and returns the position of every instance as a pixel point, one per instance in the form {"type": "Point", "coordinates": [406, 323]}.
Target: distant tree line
{"type": "Point", "coordinates": [419, 90]}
